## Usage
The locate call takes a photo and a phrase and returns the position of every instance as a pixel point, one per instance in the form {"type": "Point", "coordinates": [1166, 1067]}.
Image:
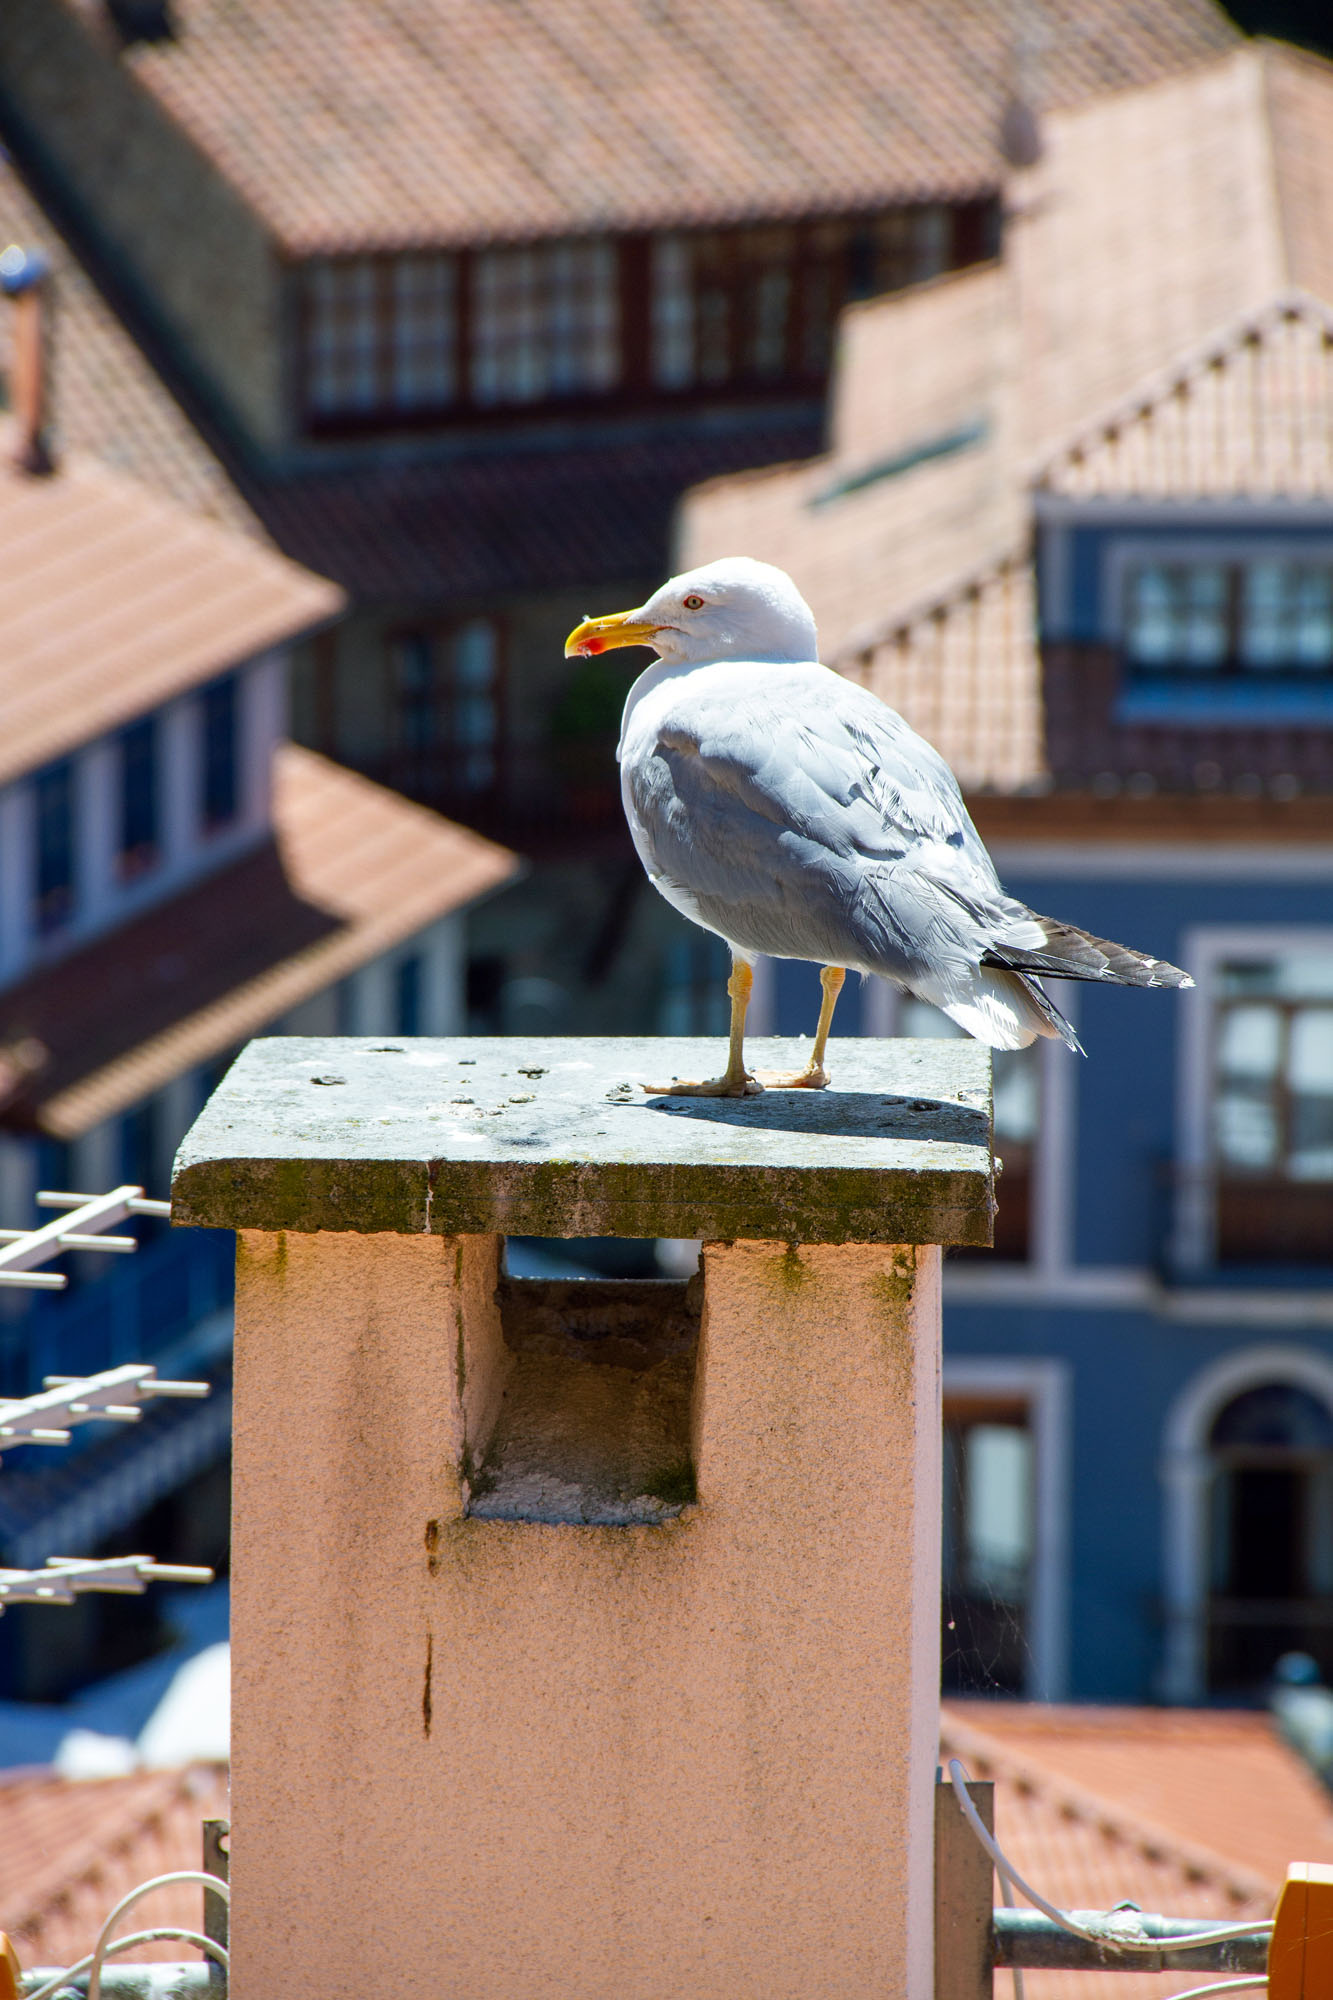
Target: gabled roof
{"type": "Point", "coordinates": [449, 121]}
{"type": "Point", "coordinates": [351, 870]}
{"type": "Point", "coordinates": [1247, 415]}
{"type": "Point", "coordinates": [1186, 1812]}
{"type": "Point", "coordinates": [116, 600]}
{"type": "Point", "coordinates": [105, 399]}
{"type": "Point", "coordinates": [1154, 219]}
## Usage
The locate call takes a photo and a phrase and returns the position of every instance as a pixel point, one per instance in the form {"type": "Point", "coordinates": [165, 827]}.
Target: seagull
{"type": "Point", "coordinates": [795, 815]}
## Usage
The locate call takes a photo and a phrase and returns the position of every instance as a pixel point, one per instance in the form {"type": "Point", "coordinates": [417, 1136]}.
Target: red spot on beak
{"type": "Point", "coordinates": [592, 646]}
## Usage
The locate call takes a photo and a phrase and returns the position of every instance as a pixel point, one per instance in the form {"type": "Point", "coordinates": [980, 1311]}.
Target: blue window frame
{"type": "Point", "coordinates": [139, 789]}
{"type": "Point", "coordinates": [53, 872]}
{"type": "Point", "coordinates": [221, 800]}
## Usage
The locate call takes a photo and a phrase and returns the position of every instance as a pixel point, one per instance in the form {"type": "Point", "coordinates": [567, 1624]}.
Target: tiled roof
{"type": "Point", "coordinates": [962, 669]}
{"type": "Point", "coordinates": [70, 1849]}
{"type": "Point", "coordinates": [105, 399]}
{"type": "Point", "coordinates": [1161, 229]}
{"type": "Point", "coordinates": [115, 600]}
{"type": "Point", "coordinates": [512, 522]}
{"type": "Point", "coordinates": [1185, 1812]}
{"type": "Point", "coordinates": [351, 871]}
{"type": "Point", "coordinates": [1247, 415]}
{"type": "Point", "coordinates": [449, 121]}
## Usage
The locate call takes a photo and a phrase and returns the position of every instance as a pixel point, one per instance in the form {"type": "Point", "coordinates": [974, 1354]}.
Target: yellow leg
{"type": "Point", "coordinates": [813, 1076]}
{"type": "Point", "coordinates": [737, 1081]}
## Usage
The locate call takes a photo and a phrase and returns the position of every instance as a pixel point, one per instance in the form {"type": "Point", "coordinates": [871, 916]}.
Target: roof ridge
{"type": "Point", "coordinates": [1033, 1775]}
{"type": "Point", "coordinates": [1251, 326]}
{"type": "Point", "coordinates": [937, 603]}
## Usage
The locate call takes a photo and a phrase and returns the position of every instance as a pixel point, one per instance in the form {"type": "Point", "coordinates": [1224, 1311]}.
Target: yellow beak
{"type": "Point", "coordinates": [600, 635]}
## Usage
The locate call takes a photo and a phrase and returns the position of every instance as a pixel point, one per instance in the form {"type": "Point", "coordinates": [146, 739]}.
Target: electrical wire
{"type": "Point", "coordinates": [128, 1901]}
{"type": "Point", "coordinates": [1005, 1868]}
{"type": "Point", "coordinates": [1255, 1979]}
{"type": "Point", "coordinates": [103, 1948]}
{"type": "Point", "coordinates": [62, 1979]}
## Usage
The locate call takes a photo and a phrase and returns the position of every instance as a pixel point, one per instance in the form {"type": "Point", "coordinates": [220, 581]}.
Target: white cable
{"type": "Point", "coordinates": [126, 1902]}
{"type": "Point", "coordinates": [62, 1979]}
{"type": "Point", "coordinates": [1105, 1939]}
{"type": "Point", "coordinates": [1222, 1986]}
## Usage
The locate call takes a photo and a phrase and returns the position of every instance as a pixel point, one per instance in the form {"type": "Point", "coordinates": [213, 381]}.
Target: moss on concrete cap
{"type": "Point", "coordinates": [556, 1138]}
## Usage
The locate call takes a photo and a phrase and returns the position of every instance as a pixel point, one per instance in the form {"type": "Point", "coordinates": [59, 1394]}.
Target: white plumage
{"type": "Point", "coordinates": [797, 816]}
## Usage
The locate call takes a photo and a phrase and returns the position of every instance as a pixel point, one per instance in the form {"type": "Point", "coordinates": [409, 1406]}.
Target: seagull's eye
{"type": "Point", "coordinates": [693, 603]}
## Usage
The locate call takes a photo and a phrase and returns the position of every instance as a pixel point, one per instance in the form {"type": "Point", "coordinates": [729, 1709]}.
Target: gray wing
{"type": "Point", "coordinates": [823, 829]}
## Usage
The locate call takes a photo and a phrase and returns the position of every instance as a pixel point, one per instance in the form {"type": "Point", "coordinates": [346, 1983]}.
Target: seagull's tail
{"type": "Point", "coordinates": [1059, 951]}
{"type": "Point", "coordinates": [1007, 1010]}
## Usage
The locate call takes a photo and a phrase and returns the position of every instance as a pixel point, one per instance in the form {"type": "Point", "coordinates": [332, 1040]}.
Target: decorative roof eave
{"type": "Point", "coordinates": [1188, 371]}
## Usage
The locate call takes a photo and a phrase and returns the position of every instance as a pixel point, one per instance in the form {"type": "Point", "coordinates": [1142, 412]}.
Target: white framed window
{"type": "Point", "coordinates": [1006, 1526]}
{"type": "Point", "coordinates": [1247, 1556]}
{"type": "Point", "coordinates": [1225, 611]}
{"type": "Point", "coordinates": [1256, 1113]}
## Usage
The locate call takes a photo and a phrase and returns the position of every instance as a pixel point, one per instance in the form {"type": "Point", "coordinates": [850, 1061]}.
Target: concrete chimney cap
{"type": "Point", "coordinates": [21, 269]}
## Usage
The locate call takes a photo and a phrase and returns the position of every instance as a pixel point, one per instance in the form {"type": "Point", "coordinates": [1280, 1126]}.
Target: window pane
{"type": "Point", "coordinates": [1287, 616]}
{"type": "Point", "coordinates": [546, 322]}
{"type": "Point", "coordinates": [412, 664]}
{"type": "Point", "coordinates": [998, 1521]}
{"type": "Point", "coordinates": [138, 796]}
{"type": "Point", "coordinates": [1275, 1416]}
{"type": "Point", "coordinates": [673, 312]}
{"type": "Point", "coordinates": [1304, 975]}
{"type": "Point", "coordinates": [476, 717]}
{"type": "Point", "coordinates": [407, 995]}
{"type": "Point", "coordinates": [54, 875]}
{"type": "Point", "coordinates": [343, 335]}
{"type": "Point", "coordinates": [1250, 1042]}
{"type": "Point", "coordinates": [221, 787]}
{"type": "Point", "coordinates": [1177, 616]}
{"type": "Point", "coordinates": [424, 359]}
{"type": "Point", "coordinates": [1310, 1081]}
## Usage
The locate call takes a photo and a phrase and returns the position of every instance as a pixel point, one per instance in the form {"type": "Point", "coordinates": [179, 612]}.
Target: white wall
{"type": "Point", "coordinates": [187, 849]}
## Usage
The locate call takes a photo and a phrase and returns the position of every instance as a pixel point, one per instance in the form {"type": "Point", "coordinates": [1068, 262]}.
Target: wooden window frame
{"type": "Point", "coordinates": [970, 233]}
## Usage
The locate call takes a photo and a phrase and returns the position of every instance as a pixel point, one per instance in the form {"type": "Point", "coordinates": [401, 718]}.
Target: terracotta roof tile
{"type": "Point", "coordinates": [351, 871]}
{"type": "Point", "coordinates": [1247, 415]}
{"type": "Point", "coordinates": [116, 600]}
{"type": "Point", "coordinates": [1162, 229]}
{"type": "Point", "coordinates": [1186, 1812]}
{"type": "Point", "coordinates": [520, 521]}
{"type": "Point", "coordinates": [105, 399]}
{"type": "Point", "coordinates": [70, 1849]}
{"type": "Point", "coordinates": [436, 121]}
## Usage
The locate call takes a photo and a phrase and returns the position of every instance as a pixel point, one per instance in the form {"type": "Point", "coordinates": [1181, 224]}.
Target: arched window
{"type": "Point", "coordinates": [1271, 1534]}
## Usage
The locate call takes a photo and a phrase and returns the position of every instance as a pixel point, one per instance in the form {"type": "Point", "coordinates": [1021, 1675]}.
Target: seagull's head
{"type": "Point", "coordinates": [734, 609]}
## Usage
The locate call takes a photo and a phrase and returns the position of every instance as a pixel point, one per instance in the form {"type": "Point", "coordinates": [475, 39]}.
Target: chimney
{"type": "Point", "coordinates": [24, 276]}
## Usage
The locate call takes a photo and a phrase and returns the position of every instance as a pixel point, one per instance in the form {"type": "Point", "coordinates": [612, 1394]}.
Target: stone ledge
{"type": "Point", "coordinates": [549, 1137]}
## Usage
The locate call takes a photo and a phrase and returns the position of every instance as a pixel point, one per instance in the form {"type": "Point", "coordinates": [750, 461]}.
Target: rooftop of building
{"type": "Point", "coordinates": [1186, 1812]}
{"type": "Point", "coordinates": [118, 599]}
{"type": "Point", "coordinates": [1104, 351]}
{"type": "Point", "coordinates": [104, 399]}
{"type": "Point", "coordinates": [429, 122]}
{"type": "Point", "coordinates": [350, 871]}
